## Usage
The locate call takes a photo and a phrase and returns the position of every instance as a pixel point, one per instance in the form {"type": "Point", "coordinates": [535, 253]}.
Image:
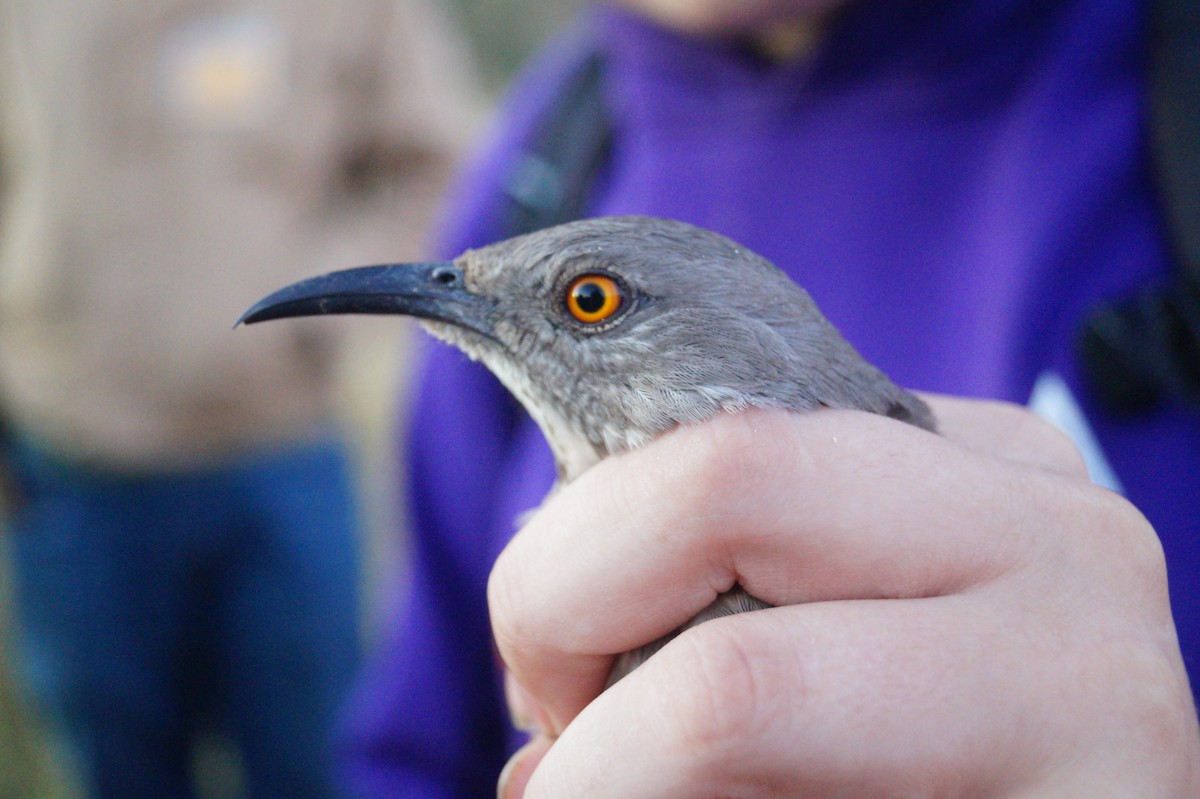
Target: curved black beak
{"type": "Point", "coordinates": [434, 291]}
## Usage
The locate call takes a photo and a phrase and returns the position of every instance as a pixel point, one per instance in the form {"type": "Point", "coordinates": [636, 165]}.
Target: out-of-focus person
{"type": "Point", "coordinates": [957, 185]}
{"type": "Point", "coordinates": [183, 522]}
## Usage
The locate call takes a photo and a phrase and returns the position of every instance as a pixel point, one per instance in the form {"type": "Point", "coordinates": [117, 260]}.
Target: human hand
{"type": "Point", "coordinates": [959, 615]}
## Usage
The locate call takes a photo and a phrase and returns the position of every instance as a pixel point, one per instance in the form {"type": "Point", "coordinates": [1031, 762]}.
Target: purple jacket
{"type": "Point", "coordinates": [954, 183]}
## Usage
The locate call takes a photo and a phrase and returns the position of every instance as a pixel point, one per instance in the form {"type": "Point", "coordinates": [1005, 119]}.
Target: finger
{"type": "Point", "coordinates": [1008, 431]}
{"type": "Point", "coordinates": [795, 508]}
{"type": "Point", "coordinates": [802, 701]}
{"type": "Point", "coordinates": [519, 768]}
{"type": "Point", "coordinates": [883, 698]}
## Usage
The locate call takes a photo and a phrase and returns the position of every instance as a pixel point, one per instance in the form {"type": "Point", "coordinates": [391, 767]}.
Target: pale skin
{"type": "Point", "coordinates": [961, 614]}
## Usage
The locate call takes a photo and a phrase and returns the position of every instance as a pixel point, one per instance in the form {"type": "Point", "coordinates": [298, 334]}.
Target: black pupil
{"type": "Point", "coordinates": [589, 297]}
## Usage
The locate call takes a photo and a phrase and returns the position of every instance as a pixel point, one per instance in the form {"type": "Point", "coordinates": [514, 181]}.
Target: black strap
{"type": "Point", "coordinates": [1138, 351]}
{"type": "Point", "coordinates": [551, 179]}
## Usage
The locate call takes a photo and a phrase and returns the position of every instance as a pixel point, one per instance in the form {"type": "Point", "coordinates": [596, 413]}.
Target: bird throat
{"type": "Point", "coordinates": [573, 451]}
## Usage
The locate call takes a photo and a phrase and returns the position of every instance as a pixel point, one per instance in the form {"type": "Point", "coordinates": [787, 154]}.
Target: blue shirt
{"type": "Point", "coordinates": [954, 183]}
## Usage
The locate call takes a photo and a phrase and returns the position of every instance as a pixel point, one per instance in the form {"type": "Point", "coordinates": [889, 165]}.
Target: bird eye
{"type": "Point", "coordinates": [593, 298]}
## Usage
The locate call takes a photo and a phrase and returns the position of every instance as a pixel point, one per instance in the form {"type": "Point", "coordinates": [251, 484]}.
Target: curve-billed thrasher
{"type": "Point", "coordinates": [612, 331]}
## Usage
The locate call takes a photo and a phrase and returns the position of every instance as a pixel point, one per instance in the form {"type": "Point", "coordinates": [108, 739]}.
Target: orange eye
{"type": "Point", "coordinates": [593, 298]}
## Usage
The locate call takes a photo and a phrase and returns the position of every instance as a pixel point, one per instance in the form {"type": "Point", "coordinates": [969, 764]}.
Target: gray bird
{"type": "Point", "coordinates": [612, 331]}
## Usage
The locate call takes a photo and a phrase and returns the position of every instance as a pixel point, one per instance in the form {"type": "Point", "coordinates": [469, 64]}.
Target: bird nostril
{"type": "Point", "coordinates": [445, 275]}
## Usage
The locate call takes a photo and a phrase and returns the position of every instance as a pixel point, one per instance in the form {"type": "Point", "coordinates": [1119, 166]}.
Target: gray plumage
{"type": "Point", "coordinates": [703, 326]}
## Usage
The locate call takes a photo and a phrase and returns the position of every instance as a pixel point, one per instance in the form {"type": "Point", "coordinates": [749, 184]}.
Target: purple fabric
{"type": "Point", "coordinates": [953, 182]}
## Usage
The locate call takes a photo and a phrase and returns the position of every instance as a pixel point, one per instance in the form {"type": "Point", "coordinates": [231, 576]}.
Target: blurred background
{"type": "Point", "coordinates": [369, 388]}
{"type": "Point", "coordinates": [502, 33]}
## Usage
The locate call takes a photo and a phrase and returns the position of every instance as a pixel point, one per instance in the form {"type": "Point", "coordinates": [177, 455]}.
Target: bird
{"type": "Point", "coordinates": [612, 331]}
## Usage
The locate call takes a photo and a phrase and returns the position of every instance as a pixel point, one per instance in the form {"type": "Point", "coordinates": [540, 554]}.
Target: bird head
{"type": "Point", "coordinates": [611, 331]}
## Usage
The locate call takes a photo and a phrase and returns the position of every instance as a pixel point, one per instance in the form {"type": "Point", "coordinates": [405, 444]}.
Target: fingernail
{"type": "Point", "coordinates": [526, 714]}
{"type": "Point", "coordinates": [518, 704]}
{"type": "Point", "coordinates": [519, 768]}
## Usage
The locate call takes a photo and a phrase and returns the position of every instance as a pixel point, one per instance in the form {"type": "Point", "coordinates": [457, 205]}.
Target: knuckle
{"type": "Point", "coordinates": [716, 696]}
{"type": "Point", "coordinates": [727, 474]}
{"type": "Point", "coordinates": [1119, 550]}
{"type": "Point", "coordinates": [1136, 545]}
{"type": "Point", "coordinates": [1031, 435]}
